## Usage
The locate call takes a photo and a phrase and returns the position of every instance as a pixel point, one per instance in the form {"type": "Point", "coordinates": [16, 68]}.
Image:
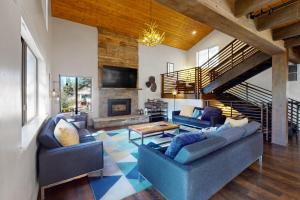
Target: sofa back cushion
{"type": "Point", "coordinates": [209, 112]}
{"type": "Point", "coordinates": [251, 128]}
{"type": "Point", "coordinates": [198, 150]}
{"type": "Point", "coordinates": [46, 137]}
{"type": "Point", "coordinates": [233, 134]}
{"type": "Point", "coordinates": [187, 111]}
{"type": "Point", "coordinates": [182, 140]}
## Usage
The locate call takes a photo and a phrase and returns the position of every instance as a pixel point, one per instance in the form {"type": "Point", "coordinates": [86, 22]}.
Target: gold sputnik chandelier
{"type": "Point", "coordinates": [151, 36]}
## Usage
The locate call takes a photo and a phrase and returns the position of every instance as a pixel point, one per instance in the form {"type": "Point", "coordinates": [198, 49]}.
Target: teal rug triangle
{"type": "Point", "coordinates": [133, 174]}
{"type": "Point", "coordinates": [126, 167]}
{"type": "Point", "coordinates": [135, 154]}
{"type": "Point", "coordinates": [101, 185]}
{"type": "Point", "coordinates": [139, 186]}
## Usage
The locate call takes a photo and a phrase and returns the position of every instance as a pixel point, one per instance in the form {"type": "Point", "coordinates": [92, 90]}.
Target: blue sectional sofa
{"type": "Point", "coordinates": [213, 117]}
{"type": "Point", "coordinates": [57, 163]}
{"type": "Point", "coordinates": [201, 169]}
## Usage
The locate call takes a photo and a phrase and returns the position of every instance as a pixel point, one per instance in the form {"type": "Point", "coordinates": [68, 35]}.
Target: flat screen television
{"type": "Point", "coordinates": [119, 77]}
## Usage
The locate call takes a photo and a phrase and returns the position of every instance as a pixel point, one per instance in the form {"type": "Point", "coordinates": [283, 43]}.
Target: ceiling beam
{"type": "Point", "coordinates": [279, 18]}
{"type": "Point", "coordinates": [243, 7]}
{"type": "Point", "coordinates": [292, 42]}
{"type": "Point", "coordinates": [286, 32]}
{"type": "Point", "coordinates": [219, 15]}
{"type": "Point", "coordinates": [294, 55]}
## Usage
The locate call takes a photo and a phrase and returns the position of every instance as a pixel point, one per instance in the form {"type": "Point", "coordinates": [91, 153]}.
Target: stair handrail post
{"type": "Point", "coordinates": [267, 121]}
{"type": "Point", "coordinates": [232, 55]}
{"type": "Point", "coordinates": [297, 120]}
{"type": "Point", "coordinates": [231, 109]}
{"type": "Point", "coordinates": [262, 117]}
{"type": "Point", "coordinates": [162, 85]}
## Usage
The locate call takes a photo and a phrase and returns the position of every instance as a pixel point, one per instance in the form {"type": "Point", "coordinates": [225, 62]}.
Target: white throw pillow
{"type": "Point", "coordinates": [66, 134]}
{"type": "Point", "coordinates": [187, 110]}
{"type": "Point", "coordinates": [236, 122]}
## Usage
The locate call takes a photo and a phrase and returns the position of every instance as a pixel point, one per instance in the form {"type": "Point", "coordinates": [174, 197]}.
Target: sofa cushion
{"type": "Point", "coordinates": [187, 110]}
{"type": "Point", "coordinates": [182, 140]}
{"type": "Point", "coordinates": [209, 112]}
{"type": "Point", "coordinates": [66, 134]}
{"type": "Point", "coordinates": [85, 139]}
{"type": "Point", "coordinates": [58, 117]}
{"type": "Point", "coordinates": [236, 122]}
{"type": "Point", "coordinates": [197, 150]}
{"type": "Point", "coordinates": [233, 134]}
{"type": "Point", "coordinates": [46, 137]}
{"type": "Point", "coordinates": [251, 128]}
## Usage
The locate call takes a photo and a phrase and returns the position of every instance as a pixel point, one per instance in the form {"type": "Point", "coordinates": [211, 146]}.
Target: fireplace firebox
{"type": "Point", "coordinates": [117, 107]}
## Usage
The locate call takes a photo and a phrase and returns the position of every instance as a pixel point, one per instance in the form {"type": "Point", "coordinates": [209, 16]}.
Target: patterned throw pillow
{"type": "Point", "coordinates": [197, 113]}
{"type": "Point", "coordinates": [187, 110]}
{"type": "Point", "coordinates": [182, 140]}
{"type": "Point", "coordinates": [66, 134]}
{"type": "Point", "coordinates": [236, 122]}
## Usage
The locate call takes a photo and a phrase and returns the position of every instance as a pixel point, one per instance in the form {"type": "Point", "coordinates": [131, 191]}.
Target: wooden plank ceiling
{"type": "Point", "coordinates": [129, 17]}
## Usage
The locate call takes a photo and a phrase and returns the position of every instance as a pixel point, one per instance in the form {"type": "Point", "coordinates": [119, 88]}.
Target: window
{"type": "Point", "coordinates": [204, 55]}
{"type": "Point", "coordinates": [29, 84]}
{"type": "Point", "coordinates": [292, 72]}
{"type": "Point", "coordinates": [75, 94]}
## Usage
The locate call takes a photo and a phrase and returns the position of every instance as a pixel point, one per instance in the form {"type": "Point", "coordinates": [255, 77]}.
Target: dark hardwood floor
{"type": "Point", "coordinates": [278, 178]}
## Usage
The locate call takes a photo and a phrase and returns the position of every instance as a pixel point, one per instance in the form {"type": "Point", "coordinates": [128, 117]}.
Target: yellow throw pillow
{"type": "Point", "coordinates": [187, 110]}
{"type": "Point", "coordinates": [66, 134]}
{"type": "Point", "coordinates": [236, 122]}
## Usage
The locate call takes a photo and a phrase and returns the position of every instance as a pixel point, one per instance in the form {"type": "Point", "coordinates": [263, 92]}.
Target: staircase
{"type": "Point", "coordinates": [254, 98]}
{"type": "Point", "coordinates": [221, 80]}
{"type": "Point", "coordinates": [234, 64]}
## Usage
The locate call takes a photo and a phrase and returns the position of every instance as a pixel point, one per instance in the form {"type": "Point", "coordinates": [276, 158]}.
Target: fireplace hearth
{"type": "Point", "coordinates": [118, 107]}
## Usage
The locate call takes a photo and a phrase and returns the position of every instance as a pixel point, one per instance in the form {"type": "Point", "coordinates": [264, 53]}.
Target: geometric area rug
{"type": "Point", "coordinates": [120, 178]}
{"type": "Point", "coordinates": [120, 173]}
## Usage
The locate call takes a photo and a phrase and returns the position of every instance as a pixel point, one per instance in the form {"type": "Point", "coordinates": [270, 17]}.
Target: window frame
{"type": "Point", "coordinates": [293, 73]}
{"type": "Point", "coordinates": [208, 52]}
{"type": "Point", "coordinates": [24, 49]}
{"type": "Point", "coordinates": [76, 92]}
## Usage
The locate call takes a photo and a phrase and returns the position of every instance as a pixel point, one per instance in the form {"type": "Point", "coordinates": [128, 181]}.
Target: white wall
{"type": "Point", "coordinates": [75, 53]}
{"type": "Point", "coordinates": [215, 38]}
{"type": "Point", "coordinates": [153, 62]}
{"type": "Point", "coordinates": [264, 80]}
{"type": "Point", "coordinates": [17, 144]}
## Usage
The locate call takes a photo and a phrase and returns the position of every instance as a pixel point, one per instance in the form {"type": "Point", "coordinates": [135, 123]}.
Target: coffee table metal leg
{"type": "Point", "coordinates": [142, 142]}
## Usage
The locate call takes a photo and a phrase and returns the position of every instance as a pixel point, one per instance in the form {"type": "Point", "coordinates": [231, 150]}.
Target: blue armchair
{"type": "Point", "coordinates": [58, 164]}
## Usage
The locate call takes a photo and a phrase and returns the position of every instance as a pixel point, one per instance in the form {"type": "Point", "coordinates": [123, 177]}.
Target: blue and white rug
{"type": "Point", "coordinates": [120, 166]}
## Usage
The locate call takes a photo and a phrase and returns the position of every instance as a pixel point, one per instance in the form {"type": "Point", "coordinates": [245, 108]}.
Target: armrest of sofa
{"type": "Point", "coordinates": [217, 120]}
{"type": "Point", "coordinates": [176, 112]}
{"type": "Point", "coordinates": [67, 162]}
{"type": "Point", "coordinates": [163, 173]}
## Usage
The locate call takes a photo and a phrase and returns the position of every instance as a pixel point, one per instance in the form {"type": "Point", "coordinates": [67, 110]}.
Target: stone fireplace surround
{"type": "Point", "coordinates": [117, 93]}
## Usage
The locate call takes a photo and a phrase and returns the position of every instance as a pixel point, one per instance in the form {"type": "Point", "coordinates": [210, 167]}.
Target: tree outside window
{"type": "Point", "coordinates": [75, 94]}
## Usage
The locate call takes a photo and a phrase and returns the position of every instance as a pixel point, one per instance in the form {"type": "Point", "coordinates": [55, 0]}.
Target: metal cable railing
{"type": "Point", "coordinates": [256, 95]}
{"type": "Point", "coordinates": [192, 80]}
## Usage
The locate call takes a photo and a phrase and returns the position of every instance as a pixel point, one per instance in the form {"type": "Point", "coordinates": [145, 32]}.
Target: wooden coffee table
{"type": "Point", "coordinates": [149, 130]}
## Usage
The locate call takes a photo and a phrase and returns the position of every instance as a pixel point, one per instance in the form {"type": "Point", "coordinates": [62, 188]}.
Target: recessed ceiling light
{"type": "Point", "coordinates": [194, 32]}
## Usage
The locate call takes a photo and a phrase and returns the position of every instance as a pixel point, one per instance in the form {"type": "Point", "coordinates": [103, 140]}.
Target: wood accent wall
{"type": "Point", "coordinates": [116, 49]}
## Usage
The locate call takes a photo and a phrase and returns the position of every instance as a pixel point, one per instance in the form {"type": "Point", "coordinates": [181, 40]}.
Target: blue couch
{"type": "Point", "coordinates": [57, 163]}
{"type": "Point", "coordinates": [213, 118]}
{"type": "Point", "coordinates": [201, 169]}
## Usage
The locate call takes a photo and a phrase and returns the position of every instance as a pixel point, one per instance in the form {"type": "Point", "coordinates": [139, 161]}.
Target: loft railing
{"type": "Point", "coordinates": [241, 109]}
{"type": "Point", "coordinates": [192, 80]}
{"type": "Point", "coordinates": [254, 94]}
